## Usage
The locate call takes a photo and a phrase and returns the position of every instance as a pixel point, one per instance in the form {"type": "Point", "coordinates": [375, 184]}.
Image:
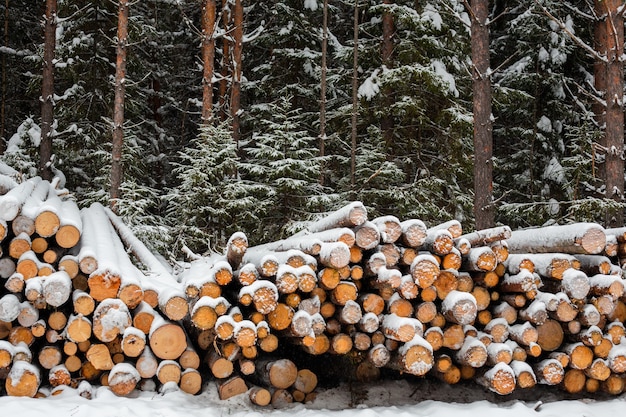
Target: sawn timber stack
{"type": "Point", "coordinates": [85, 303]}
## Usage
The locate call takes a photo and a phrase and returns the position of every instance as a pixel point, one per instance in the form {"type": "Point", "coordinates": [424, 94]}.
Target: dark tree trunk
{"type": "Point", "coordinates": [225, 64]}
{"type": "Point", "coordinates": [483, 143]}
{"type": "Point", "coordinates": [614, 133]}
{"type": "Point", "coordinates": [355, 97]}
{"type": "Point", "coordinates": [208, 58]}
{"type": "Point", "coordinates": [118, 104]}
{"type": "Point", "coordinates": [322, 137]}
{"type": "Point", "coordinates": [235, 94]}
{"type": "Point", "coordinates": [47, 90]}
{"type": "Point", "coordinates": [3, 144]}
{"type": "Point", "coordinates": [387, 122]}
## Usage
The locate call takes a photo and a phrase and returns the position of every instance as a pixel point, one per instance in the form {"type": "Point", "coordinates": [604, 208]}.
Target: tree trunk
{"type": "Point", "coordinates": [208, 57]}
{"type": "Point", "coordinates": [118, 104]}
{"type": "Point", "coordinates": [3, 144]}
{"type": "Point", "coordinates": [47, 90]}
{"type": "Point", "coordinates": [614, 133]}
{"type": "Point", "coordinates": [386, 122]}
{"type": "Point", "coordinates": [355, 96]}
{"type": "Point", "coordinates": [483, 144]}
{"type": "Point", "coordinates": [225, 65]}
{"type": "Point", "coordinates": [235, 94]}
{"type": "Point", "coordinates": [322, 137]}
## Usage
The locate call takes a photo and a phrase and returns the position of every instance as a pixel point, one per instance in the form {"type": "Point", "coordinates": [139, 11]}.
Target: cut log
{"type": "Point", "coordinates": [23, 380]}
{"type": "Point", "coordinates": [190, 381]}
{"type": "Point", "coordinates": [278, 373]}
{"type": "Point", "coordinates": [459, 307]}
{"type": "Point", "coordinates": [123, 379]}
{"type": "Point", "coordinates": [499, 379]}
{"type": "Point", "coordinates": [389, 228]}
{"type": "Point", "coordinates": [413, 233]}
{"type": "Point", "coordinates": [260, 396]}
{"type": "Point", "coordinates": [169, 371]}
{"type": "Point", "coordinates": [486, 236]}
{"type": "Point", "coordinates": [578, 238]}
{"type": "Point", "coordinates": [550, 335]}
{"type": "Point", "coordinates": [167, 339]}
{"type": "Point", "coordinates": [414, 357]}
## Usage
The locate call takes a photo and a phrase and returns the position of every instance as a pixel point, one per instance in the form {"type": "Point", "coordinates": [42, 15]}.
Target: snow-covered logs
{"type": "Point", "coordinates": [508, 309]}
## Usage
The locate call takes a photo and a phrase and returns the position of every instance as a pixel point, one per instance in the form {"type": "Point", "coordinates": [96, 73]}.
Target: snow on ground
{"type": "Point", "coordinates": [390, 398]}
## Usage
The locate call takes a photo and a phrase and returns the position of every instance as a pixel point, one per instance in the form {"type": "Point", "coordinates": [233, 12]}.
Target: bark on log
{"type": "Point", "coordinates": [579, 238]}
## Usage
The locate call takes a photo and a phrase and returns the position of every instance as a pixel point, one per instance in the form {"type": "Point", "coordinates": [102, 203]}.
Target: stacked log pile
{"type": "Point", "coordinates": [507, 309]}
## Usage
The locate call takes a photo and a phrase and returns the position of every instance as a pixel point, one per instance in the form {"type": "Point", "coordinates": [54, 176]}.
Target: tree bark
{"type": "Point", "coordinates": [235, 96]}
{"type": "Point", "coordinates": [386, 122]}
{"type": "Point", "coordinates": [3, 144]}
{"type": "Point", "coordinates": [208, 57]}
{"type": "Point", "coordinates": [225, 64]}
{"type": "Point", "coordinates": [614, 132]}
{"type": "Point", "coordinates": [483, 143]}
{"type": "Point", "coordinates": [118, 104]}
{"type": "Point", "coordinates": [47, 90]}
{"type": "Point", "coordinates": [355, 97]}
{"type": "Point", "coordinates": [322, 137]}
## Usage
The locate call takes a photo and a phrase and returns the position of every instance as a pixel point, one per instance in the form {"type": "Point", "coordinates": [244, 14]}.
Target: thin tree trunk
{"type": "Point", "coordinates": [614, 133]}
{"type": "Point", "coordinates": [208, 58]}
{"type": "Point", "coordinates": [225, 65]}
{"type": "Point", "coordinates": [483, 144]}
{"type": "Point", "coordinates": [322, 136]}
{"type": "Point", "coordinates": [355, 97]}
{"type": "Point", "coordinates": [47, 90]}
{"type": "Point", "coordinates": [235, 94]}
{"type": "Point", "coordinates": [387, 123]}
{"type": "Point", "coordinates": [118, 104]}
{"type": "Point", "coordinates": [3, 144]}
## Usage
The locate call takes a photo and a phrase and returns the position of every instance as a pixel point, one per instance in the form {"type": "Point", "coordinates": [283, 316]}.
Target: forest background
{"type": "Point", "coordinates": [275, 111]}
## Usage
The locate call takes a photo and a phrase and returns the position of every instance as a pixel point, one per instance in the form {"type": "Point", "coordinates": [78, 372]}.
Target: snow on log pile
{"type": "Point", "coordinates": [346, 298]}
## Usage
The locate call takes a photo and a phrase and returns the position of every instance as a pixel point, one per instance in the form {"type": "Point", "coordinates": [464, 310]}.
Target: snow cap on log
{"type": "Point", "coordinates": [459, 307]}
{"type": "Point", "coordinates": [57, 288]}
{"type": "Point", "coordinates": [123, 378]}
{"type": "Point", "coordinates": [9, 308]}
{"type": "Point", "coordinates": [350, 215]}
{"type": "Point", "coordinates": [575, 284]}
{"type": "Point", "coordinates": [417, 356]}
{"type": "Point", "coordinates": [11, 202]}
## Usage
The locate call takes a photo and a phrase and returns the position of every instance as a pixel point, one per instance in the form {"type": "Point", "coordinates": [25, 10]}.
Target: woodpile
{"type": "Point", "coordinates": [86, 303]}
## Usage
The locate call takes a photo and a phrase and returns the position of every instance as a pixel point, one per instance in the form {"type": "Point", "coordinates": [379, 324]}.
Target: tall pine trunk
{"type": "Point", "coordinates": [3, 144]}
{"type": "Point", "coordinates": [387, 123]}
{"type": "Point", "coordinates": [225, 64]}
{"type": "Point", "coordinates": [235, 93]}
{"type": "Point", "coordinates": [483, 129]}
{"type": "Point", "coordinates": [322, 137]}
{"type": "Point", "coordinates": [208, 58]}
{"type": "Point", "coordinates": [118, 104]}
{"type": "Point", "coordinates": [614, 132]}
{"type": "Point", "coordinates": [47, 90]}
{"type": "Point", "coordinates": [355, 96]}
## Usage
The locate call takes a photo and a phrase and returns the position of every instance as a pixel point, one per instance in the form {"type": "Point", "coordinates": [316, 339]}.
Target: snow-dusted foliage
{"type": "Point", "coordinates": [543, 130]}
{"type": "Point", "coordinates": [211, 200]}
{"type": "Point", "coordinates": [282, 160]}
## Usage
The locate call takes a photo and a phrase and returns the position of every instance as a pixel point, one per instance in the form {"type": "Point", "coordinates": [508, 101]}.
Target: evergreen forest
{"type": "Point", "coordinates": [315, 103]}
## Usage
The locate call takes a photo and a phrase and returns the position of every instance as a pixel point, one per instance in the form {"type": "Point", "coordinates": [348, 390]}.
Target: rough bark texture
{"type": "Point", "coordinates": [614, 132]}
{"type": "Point", "coordinates": [47, 90]}
{"type": "Point", "coordinates": [322, 137]}
{"type": "Point", "coordinates": [235, 96]}
{"type": "Point", "coordinates": [208, 57]}
{"type": "Point", "coordinates": [118, 104]}
{"type": "Point", "coordinates": [386, 122]}
{"type": "Point", "coordinates": [483, 145]}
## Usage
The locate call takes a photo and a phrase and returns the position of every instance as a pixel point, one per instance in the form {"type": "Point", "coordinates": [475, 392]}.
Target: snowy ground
{"type": "Point", "coordinates": [400, 398]}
